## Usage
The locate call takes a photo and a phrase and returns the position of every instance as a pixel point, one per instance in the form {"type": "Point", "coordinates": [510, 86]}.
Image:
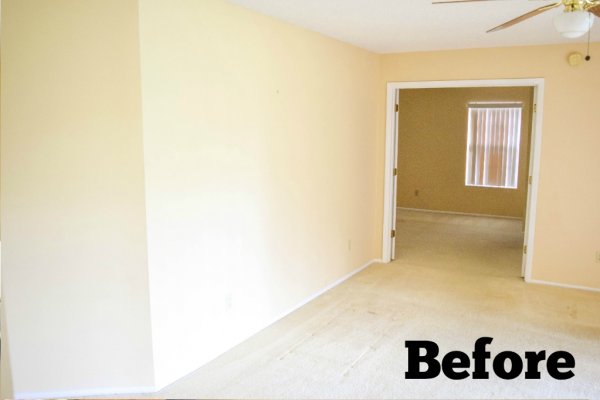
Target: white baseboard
{"type": "Point", "coordinates": [270, 322]}
{"type": "Point", "coordinates": [562, 285]}
{"type": "Point", "coordinates": [71, 394]}
{"type": "Point", "coordinates": [146, 390]}
{"type": "Point", "coordinates": [325, 289]}
{"type": "Point", "coordinates": [458, 213]}
{"type": "Point", "coordinates": [265, 325]}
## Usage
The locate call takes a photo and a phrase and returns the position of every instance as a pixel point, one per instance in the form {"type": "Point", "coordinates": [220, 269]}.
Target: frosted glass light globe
{"type": "Point", "coordinates": [573, 24]}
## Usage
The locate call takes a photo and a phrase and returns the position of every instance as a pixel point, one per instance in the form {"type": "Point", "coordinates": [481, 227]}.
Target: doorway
{"type": "Point", "coordinates": [393, 169]}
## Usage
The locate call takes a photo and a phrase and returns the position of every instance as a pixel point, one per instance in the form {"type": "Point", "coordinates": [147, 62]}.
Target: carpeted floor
{"type": "Point", "coordinates": [455, 279]}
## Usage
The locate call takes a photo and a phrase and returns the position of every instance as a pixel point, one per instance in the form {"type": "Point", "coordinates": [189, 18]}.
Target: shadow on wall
{"type": "Point", "coordinates": [6, 391]}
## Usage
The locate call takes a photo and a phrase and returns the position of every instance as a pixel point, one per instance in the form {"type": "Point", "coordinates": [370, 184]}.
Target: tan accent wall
{"type": "Point", "coordinates": [568, 216]}
{"type": "Point", "coordinates": [432, 143]}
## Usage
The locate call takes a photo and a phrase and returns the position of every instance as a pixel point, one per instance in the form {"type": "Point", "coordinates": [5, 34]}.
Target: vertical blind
{"type": "Point", "coordinates": [493, 143]}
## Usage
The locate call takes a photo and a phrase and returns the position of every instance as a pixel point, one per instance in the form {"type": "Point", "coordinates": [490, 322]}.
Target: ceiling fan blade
{"type": "Point", "coordinates": [523, 17]}
{"type": "Point", "coordinates": [595, 10]}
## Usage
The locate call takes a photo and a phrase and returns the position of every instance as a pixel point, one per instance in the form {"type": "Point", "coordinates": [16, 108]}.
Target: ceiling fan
{"type": "Point", "coordinates": [576, 20]}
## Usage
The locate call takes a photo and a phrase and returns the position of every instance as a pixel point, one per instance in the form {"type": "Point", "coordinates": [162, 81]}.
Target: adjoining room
{"type": "Point", "coordinates": [463, 172]}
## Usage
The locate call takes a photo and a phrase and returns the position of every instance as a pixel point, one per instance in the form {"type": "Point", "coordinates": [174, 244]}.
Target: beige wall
{"type": "Point", "coordinates": [244, 170]}
{"type": "Point", "coordinates": [568, 215]}
{"type": "Point", "coordinates": [74, 241]}
{"type": "Point", "coordinates": [432, 144]}
{"type": "Point", "coordinates": [260, 158]}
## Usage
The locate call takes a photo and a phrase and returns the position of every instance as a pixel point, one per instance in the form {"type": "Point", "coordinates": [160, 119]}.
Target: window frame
{"type": "Point", "coordinates": [470, 148]}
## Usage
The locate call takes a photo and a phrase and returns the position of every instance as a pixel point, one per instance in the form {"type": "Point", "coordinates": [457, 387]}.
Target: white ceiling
{"type": "Point", "coordinates": [389, 26]}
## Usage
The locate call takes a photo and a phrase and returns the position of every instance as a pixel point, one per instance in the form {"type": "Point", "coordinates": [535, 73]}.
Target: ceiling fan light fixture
{"type": "Point", "coordinates": [573, 24]}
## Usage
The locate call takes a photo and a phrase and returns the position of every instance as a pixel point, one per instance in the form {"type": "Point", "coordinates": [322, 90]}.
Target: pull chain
{"type": "Point", "coordinates": [588, 57]}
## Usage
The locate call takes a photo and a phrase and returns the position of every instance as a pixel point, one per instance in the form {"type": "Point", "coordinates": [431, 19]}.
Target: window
{"type": "Point", "coordinates": [494, 137]}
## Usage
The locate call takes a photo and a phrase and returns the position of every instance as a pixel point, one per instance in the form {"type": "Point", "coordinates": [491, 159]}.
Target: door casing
{"type": "Point", "coordinates": [391, 156]}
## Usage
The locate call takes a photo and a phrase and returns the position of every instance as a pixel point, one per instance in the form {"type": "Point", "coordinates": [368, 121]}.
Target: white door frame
{"type": "Point", "coordinates": [391, 138]}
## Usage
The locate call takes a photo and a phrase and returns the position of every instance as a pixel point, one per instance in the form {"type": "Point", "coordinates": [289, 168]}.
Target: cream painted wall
{"type": "Point", "coordinates": [260, 157]}
{"type": "Point", "coordinates": [73, 225]}
{"type": "Point", "coordinates": [432, 144]}
{"type": "Point", "coordinates": [568, 215]}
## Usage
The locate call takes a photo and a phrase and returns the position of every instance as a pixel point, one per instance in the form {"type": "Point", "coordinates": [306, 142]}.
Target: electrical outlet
{"type": "Point", "coordinates": [417, 193]}
{"type": "Point", "coordinates": [598, 256]}
{"type": "Point", "coordinates": [350, 245]}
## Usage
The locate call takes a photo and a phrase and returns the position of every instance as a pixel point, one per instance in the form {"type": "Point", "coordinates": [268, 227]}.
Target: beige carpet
{"type": "Point", "coordinates": [455, 279]}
